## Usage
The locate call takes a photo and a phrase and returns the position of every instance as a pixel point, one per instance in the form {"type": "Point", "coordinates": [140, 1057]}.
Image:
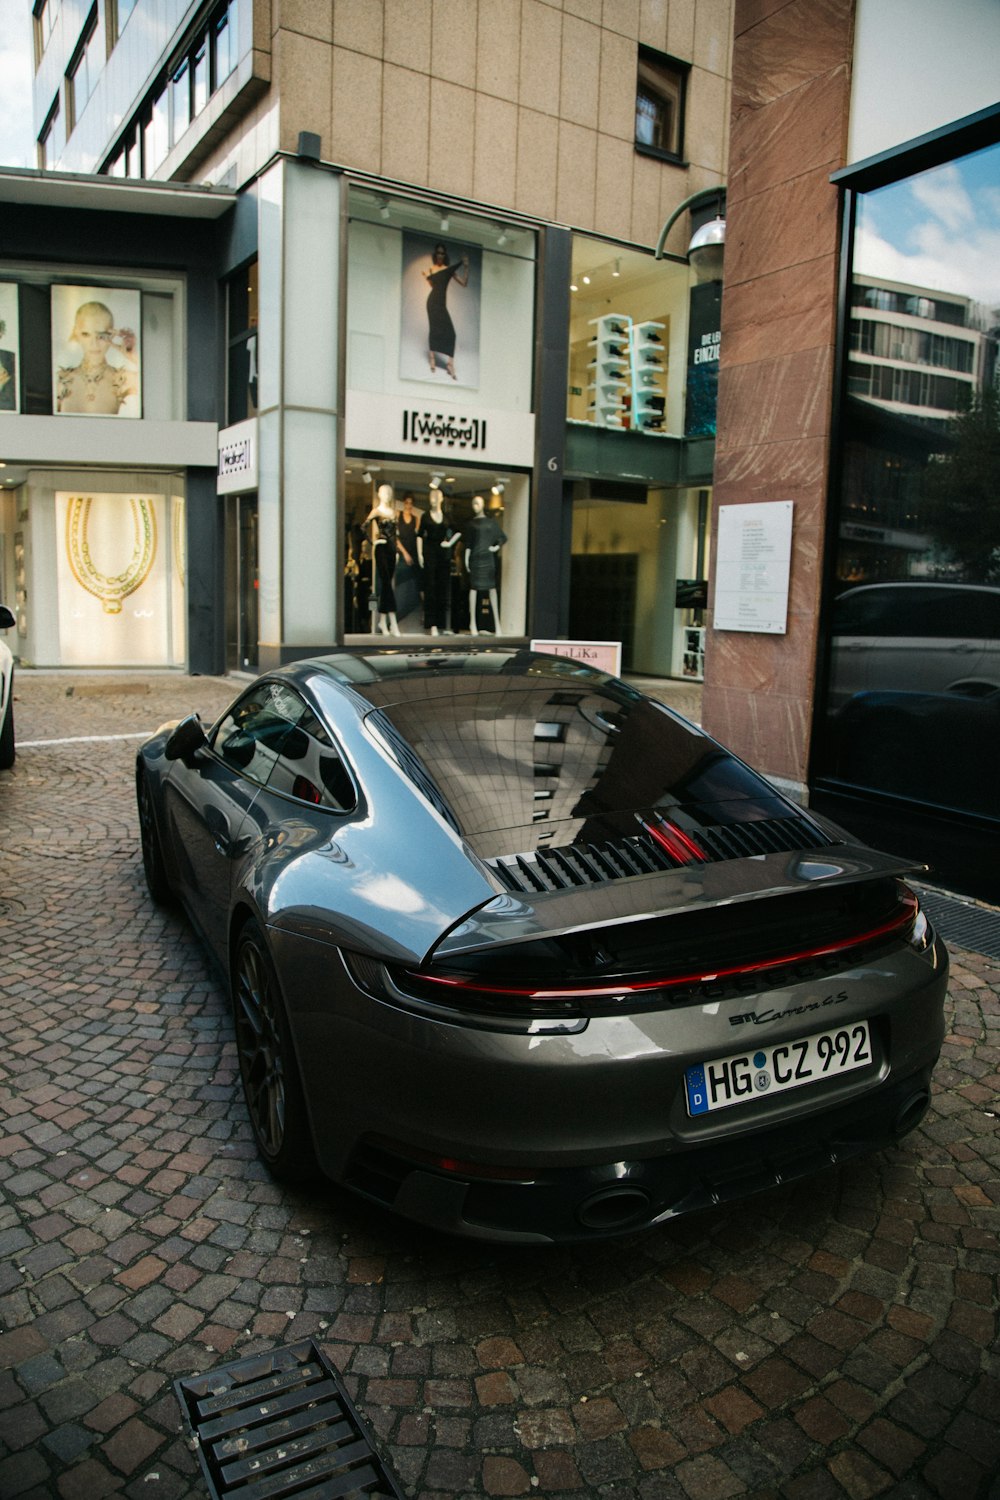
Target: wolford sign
{"type": "Point", "coordinates": [448, 432]}
{"type": "Point", "coordinates": [436, 431]}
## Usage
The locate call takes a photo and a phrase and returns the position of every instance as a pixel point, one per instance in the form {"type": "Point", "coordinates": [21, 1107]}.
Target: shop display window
{"type": "Point", "coordinates": [638, 570]}
{"type": "Point", "coordinates": [97, 348]}
{"type": "Point", "coordinates": [434, 553]}
{"type": "Point", "coordinates": [628, 332]}
{"type": "Point", "coordinates": [439, 427]}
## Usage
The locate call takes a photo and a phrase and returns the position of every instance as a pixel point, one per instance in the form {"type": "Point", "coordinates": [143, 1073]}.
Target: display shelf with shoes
{"type": "Point", "coordinates": [610, 369]}
{"type": "Point", "coordinates": [648, 374]}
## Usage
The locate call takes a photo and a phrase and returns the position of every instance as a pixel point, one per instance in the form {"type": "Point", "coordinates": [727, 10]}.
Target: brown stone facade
{"type": "Point", "coordinates": [791, 95]}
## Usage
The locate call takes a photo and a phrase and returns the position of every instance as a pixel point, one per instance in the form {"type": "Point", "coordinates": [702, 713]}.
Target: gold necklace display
{"type": "Point", "coordinates": [179, 540]}
{"type": "Point", "coordinates": [111, 588]}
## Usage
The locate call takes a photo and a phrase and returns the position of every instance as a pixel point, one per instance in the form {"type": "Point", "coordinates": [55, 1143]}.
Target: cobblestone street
{"type": "Point", "coordinates": [831, 1339]}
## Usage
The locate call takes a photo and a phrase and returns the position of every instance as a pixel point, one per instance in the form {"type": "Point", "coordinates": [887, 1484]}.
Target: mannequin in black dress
{"type": "Point", "coordinates": [483, 540]}
{"type": "Point", "coordinates": [435, 541]}
{"type": "Point", "coordinates": [381, 522]}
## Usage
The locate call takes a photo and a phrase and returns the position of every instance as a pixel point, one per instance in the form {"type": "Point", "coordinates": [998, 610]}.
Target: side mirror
{"type": "Point", "coordinates": [7, 621]}
{"type": "Point", "coordinates": [185, 740]}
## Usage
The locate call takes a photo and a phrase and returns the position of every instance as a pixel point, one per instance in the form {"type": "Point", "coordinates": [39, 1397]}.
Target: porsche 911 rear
{"type": "Point", "coordinates": [684, 989]}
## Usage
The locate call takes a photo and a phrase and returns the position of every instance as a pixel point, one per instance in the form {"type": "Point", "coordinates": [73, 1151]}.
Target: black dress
{"type": "Point", "coordinates": [482, 533]}
{"type": "Point", "coordinates": [385, 566]}
{"type": "Point", "coordinates": [437, 570]}
{"type": "Point", "coordinates": [441, 330]}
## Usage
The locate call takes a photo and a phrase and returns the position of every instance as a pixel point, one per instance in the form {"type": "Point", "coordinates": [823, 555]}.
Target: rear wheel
{"type": "Point", "coordinates": [153, 864]}
{"type": "Point", "coordinates": [270, 1074]}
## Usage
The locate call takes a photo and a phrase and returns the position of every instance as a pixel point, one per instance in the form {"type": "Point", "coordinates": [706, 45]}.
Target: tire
{"type": "Point", "coordinates": [271, 1083]}
{"type": "Point", "coordinates": [153, 864]}
{"type": "Point", "coordinates": [7, 732]}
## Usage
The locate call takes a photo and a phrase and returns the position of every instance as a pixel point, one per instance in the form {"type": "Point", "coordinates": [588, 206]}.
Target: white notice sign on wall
{"type": "Point", "coordinates": [753, 563]}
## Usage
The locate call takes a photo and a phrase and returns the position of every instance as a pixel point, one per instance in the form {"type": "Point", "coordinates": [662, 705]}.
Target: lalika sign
{"type": "Point", "coordinates": [604, 656]}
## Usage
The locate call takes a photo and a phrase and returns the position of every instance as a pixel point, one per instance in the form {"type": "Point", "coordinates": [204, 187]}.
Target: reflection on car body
{"type": "Point", "coordinates": [915, 636]}
{"type": "Point", "coordinates": [489, 917]}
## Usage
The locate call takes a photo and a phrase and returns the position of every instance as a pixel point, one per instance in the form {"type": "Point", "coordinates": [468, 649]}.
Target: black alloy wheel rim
{"type": "Point", "coordinates": [258, 1041]}
{"type": "Point", "coordinates": [147, 828]}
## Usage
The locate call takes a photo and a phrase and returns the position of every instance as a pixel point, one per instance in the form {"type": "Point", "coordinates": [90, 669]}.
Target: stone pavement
{"type": "Point", "coordinates": [832, 1339]}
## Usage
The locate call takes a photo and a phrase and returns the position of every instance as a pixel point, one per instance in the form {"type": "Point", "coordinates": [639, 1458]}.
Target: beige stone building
{"type": "Point", "coordinates": [343, 150]}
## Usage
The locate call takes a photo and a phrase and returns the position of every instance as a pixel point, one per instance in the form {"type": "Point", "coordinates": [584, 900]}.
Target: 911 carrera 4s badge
{"type": "Point", "coordinates": [771, 1070]}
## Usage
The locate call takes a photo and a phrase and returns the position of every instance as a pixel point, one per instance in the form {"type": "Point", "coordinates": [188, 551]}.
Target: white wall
{"type": "Point", "coordinates": [918, 65]}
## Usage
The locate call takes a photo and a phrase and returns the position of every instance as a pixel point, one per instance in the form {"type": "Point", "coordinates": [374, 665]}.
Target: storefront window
{"type": "Point", "coordinates": [120, 577]}
{"type": "Point", "coordinates": [99, 349]}
{"type": "Point", "coordinates": [628, 331]}
{"type": "Point", "coordinates": [433, 552]}
{"type": "Point", "coordinates": [439, 426]}
{"type": "Point", "coordinates": [914, 649]}
{"type": "Point", "coordinates": [639, 566]}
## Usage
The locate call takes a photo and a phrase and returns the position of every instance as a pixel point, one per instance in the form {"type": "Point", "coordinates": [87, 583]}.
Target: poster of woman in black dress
{"type": "Point", "coordinates": [441, 295]}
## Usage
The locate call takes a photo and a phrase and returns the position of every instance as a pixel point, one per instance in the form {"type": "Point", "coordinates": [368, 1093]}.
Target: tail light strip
{"type": "Point", "coordinates": [897, 924]}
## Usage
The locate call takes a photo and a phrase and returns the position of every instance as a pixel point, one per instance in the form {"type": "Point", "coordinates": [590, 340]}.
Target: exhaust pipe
{"type": "Point", "coordinates": [614, 1208]}
{"type": "Point", "coordinates": [911, 1113]}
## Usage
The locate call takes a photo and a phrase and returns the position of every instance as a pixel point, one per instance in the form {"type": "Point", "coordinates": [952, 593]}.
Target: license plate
{"type": "Point", "coordinates": [771, 1070]}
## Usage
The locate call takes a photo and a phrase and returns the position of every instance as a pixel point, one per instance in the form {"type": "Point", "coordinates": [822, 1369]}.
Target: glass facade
{"type": "Point", "coordinates": [913, 663]}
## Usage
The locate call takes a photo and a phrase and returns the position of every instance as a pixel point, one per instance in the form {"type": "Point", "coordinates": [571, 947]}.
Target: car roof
{"type": "Point", "coordinates": [382, 676]}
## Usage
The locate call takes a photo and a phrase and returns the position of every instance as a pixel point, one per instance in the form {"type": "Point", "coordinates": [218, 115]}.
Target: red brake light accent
{"type": "Point", "coordinates": [304, 789]}
{"type": "Point", "coordinates": [635, 987]}
{"type": "Point", "coordinates": [678, 844]}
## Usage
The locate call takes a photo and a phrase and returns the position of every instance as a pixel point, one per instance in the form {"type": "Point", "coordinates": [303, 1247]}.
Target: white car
{"type": "Point", "coordinates": [6, 694]}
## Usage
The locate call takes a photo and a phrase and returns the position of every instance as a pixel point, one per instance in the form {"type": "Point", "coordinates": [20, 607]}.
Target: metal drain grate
{"type": "Point", "coordinates": [279, 1425]}
{"type": "Point", "coordinates": [960, 922]}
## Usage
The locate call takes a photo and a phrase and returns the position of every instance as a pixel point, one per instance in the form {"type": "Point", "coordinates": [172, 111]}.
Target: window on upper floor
{"type": "Point", "coordinates": [199, 75]}
{"type": "Point", "coordinates": [208, 58]}
{"type": "Point", "coordinates": [223, 40]}
{"type": "Point", "coordinates": [85, 68]}
{"type": "Point", "coordinates": [661, 87]}
{"type": "Point", "coordinates": [155, 132]}
{"type": "Point", "coordinates": [52, 137]}
{"type": "Point", "coordinates": [180, 101]}
{"type": "Point", "coordinates": [121, 9]}
{"type": "Point", "coordinates": [45, 13]}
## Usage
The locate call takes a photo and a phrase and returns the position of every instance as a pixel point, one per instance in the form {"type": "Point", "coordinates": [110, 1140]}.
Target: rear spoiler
{"type": "Point", "coordinates": [512, 919]}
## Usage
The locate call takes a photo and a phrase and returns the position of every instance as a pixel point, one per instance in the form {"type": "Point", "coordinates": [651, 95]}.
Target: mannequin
{"type": "Point", "coordinates": [483, 540]}
{"type": "Point", "coordinates": [382, 520]}
{"type": "Point", "coordinates": [435, 540]}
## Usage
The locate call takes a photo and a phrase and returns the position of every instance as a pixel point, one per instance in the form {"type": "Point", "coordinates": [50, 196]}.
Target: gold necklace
{"type": "Point", "coordinates": [111, 588]}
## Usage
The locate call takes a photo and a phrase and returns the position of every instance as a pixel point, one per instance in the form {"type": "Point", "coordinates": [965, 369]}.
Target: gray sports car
{"type": "Point", "coordinates": [519, 953]}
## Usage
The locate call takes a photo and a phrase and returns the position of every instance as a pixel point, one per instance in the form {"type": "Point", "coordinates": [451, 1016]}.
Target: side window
{"type": "Point", "coordinates": [273, 736]}
{"type": "Point", "coordinates": [249, 737]}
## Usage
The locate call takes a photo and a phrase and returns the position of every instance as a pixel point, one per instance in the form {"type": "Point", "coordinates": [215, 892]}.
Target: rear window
{"type": "Point", "coordinates": [519, 755]}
